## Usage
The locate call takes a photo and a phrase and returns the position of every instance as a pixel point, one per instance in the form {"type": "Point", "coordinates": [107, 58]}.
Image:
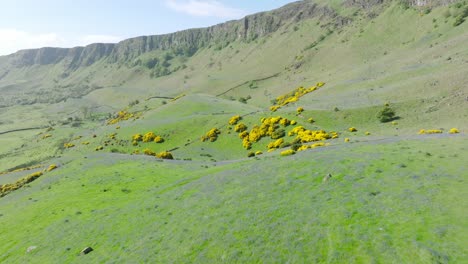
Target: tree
{"type": "Point", "coordinates": [386, 115]}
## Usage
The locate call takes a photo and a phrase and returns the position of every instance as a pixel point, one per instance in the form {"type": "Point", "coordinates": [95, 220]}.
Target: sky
{"type": "Point", "coordinates": [26, 24]}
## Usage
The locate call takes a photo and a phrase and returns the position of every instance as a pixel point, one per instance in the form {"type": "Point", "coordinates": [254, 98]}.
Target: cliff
{"type": "Point", "coordinates": [247, 29]}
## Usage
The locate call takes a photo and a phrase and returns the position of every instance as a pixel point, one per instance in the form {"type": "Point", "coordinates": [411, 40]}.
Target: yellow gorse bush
{"type": "Point", "coordinates": [46, 136]}
{"type": "Point", "coordinates": [112, 136]}
{"type": "Point", "coordinates": [315, 145]}
{"type": "Point", "coordinates": [352, 129]}
{"type": "Point", "coordinates": [68, 145]}
{"type": "Point", "coordinates": [123, 116]}
{"type": "Point", "coordinates": [268, 128]}
{"type": "Point", "coordinates": [149, 152]}
{"type": "Point", "coordinates": [454, 131]}
{"type": "Point", "coordinates": [246, 143]}
{"type": "Point", "coordinates": [300, 110]}
{"type": "Point", "coordinates": [275, 144]}
{"type": "Point", "coordinates": [51, 167]}
{"type": "Point", "coordinates": [294, 96]}
{"type": "Point", "coordinates": [137, 137]}
{"type": "Point", "coordinates": [346, 140]}
{"type": "Point", "coordinates": [234, 120]}
{"type": "Point", "coordinates": [288, 152]}
{"type": "Point", "coordinates": [274, 108]}
{"type": "Point", "coordinates": [241, 127]}
{"type": "Point", "coordinates": [430, 131]}
{"type": "Point", "coordinates": [305, 135]}
{"type": "Point", "coordinates": [165, 155]}
{"type": "Point", "coordinates": [211, 135]}
{"type": "Point", "coordinates": [22, 169]}
{"type": "Point", "coordinates": [9, 187]}
{"type": "Point", "coordinates": [158, 139]}
{"type": "Point", "coordinates": [149, 137]}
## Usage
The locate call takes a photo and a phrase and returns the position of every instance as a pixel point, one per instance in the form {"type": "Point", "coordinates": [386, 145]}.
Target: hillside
{"type": "Point", "coordinates": [256, 140]}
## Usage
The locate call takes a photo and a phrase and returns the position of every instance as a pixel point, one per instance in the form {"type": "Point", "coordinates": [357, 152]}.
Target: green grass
{"type": "Point", "coordinates": [389, 202]}
{"type": "Point", "coordinates": [395, 196]}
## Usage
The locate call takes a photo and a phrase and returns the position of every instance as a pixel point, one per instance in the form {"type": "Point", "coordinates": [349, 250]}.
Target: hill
{"type": "Point", "coordinates": [268, 139]}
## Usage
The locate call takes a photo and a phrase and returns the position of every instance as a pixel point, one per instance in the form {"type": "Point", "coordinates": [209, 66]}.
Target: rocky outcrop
{"type": "Point", "coordinates": [186, 41]}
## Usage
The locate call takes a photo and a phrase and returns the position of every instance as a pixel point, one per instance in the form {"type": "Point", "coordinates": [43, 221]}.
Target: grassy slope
{"type": "Point", "coordinates": [388, 201]}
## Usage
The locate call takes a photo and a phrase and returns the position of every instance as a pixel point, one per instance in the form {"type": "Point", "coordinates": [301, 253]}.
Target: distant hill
{"type": "Point", "coordinates": [331, 131]}
{"type": "Point", "coordinates": [55, 74]}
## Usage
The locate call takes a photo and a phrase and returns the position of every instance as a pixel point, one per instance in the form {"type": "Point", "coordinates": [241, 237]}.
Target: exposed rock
{"type": "Point", "coordinates": [30, 249]}
{"type": "Point", "coordinates": [327, 178]}
{"type": "Point", "coordinates": [188, 41]}
{"type": "Point", "coordinates": [86, 250]}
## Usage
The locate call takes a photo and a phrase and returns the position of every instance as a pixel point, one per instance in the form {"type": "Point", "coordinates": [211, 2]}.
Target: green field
{"type": "Point", "coordinates": [394, 196]}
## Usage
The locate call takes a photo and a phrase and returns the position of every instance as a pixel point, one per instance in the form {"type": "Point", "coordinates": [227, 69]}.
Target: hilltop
{"type": "Point", "coordinates": [319, 132]}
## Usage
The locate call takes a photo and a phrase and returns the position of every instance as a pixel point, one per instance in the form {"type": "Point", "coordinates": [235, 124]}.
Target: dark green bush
{"type": "Point", "coordinates": [386, 115]}
{"type": "Point", "coordinates": [279, 133]}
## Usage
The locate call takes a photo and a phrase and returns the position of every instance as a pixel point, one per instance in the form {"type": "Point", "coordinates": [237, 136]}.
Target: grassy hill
{"type": "Point", "coordinates": [394, 196]}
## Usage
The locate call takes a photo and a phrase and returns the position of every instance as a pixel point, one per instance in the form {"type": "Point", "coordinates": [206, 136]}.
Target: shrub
{"type": "Point", "coordinates": [311, 120]}
{"type": "Point", "coordinates": [149, 152]}
{"type": "Point", "coordinates": [68, 145]}
{"type": "Point", "coordinates": [454, 131]}
{"type": "Point", "coordinates": [461, 17]}
{"type": "Point", "coordinates": [251, 154]}
{"type": "Point", "coordinates": [278, 134]}
{"type": "Point", "coordinates": [246, 143]}
{"type": "Point", "coordinates": [346, 140]}
{"type": "Point", "coordinates": [288, 152]}
{"type": "Point", "coordinates": [430, 131]}
{"type": "Point", "coordinates": [367, 133]}
{"type": "Point", "coordinates": [275, 144]}
{"type": "Point", "coordinates": [158, 139]}
{"type": "Point", "coordinates": [234, 120]}
{"type": "Point", "coordinates": [99, 148]}
{"type": "Point", "coordinates": [274, 108]}
{"type": "Point", "coordinates": [300, 110]}
{"type": "Point", "coordinates": [285, 122]}
{"type": "Point", "coordinates": [46, 136]}
{"type": "Point", "coordinates": [165, 155]}
{"type": "Point", "coordinates": [137, 137]}
{"type": "Point", "coordinates": [149, 137]}
{"type": "Point", "coordinates": [258, 153]}
{"type": "Point", "coordinates": [241, 127]}
{"type": "Point", "coordinates": [51, 167]}
{"type": "Point", "coordinates": [211, 135]}
{"type": "Point", "coordinates": [387, 114]}
{"type": "Point", "coordinates": [243, 135]}
{"type": "Point", "coordinates": [285, 144]}
{"type": "Point", "coordinates": [352, 129]}
{"type": "Point", "coordinates": [255, 134]}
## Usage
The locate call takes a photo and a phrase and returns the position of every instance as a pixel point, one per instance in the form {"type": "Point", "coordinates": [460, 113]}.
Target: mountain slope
{"type": "Point", "coordinates": [365, 192]}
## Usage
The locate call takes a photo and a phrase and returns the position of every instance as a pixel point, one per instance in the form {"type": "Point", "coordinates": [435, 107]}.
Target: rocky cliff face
{"type": "Point", "coordinates": [246, 29]}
